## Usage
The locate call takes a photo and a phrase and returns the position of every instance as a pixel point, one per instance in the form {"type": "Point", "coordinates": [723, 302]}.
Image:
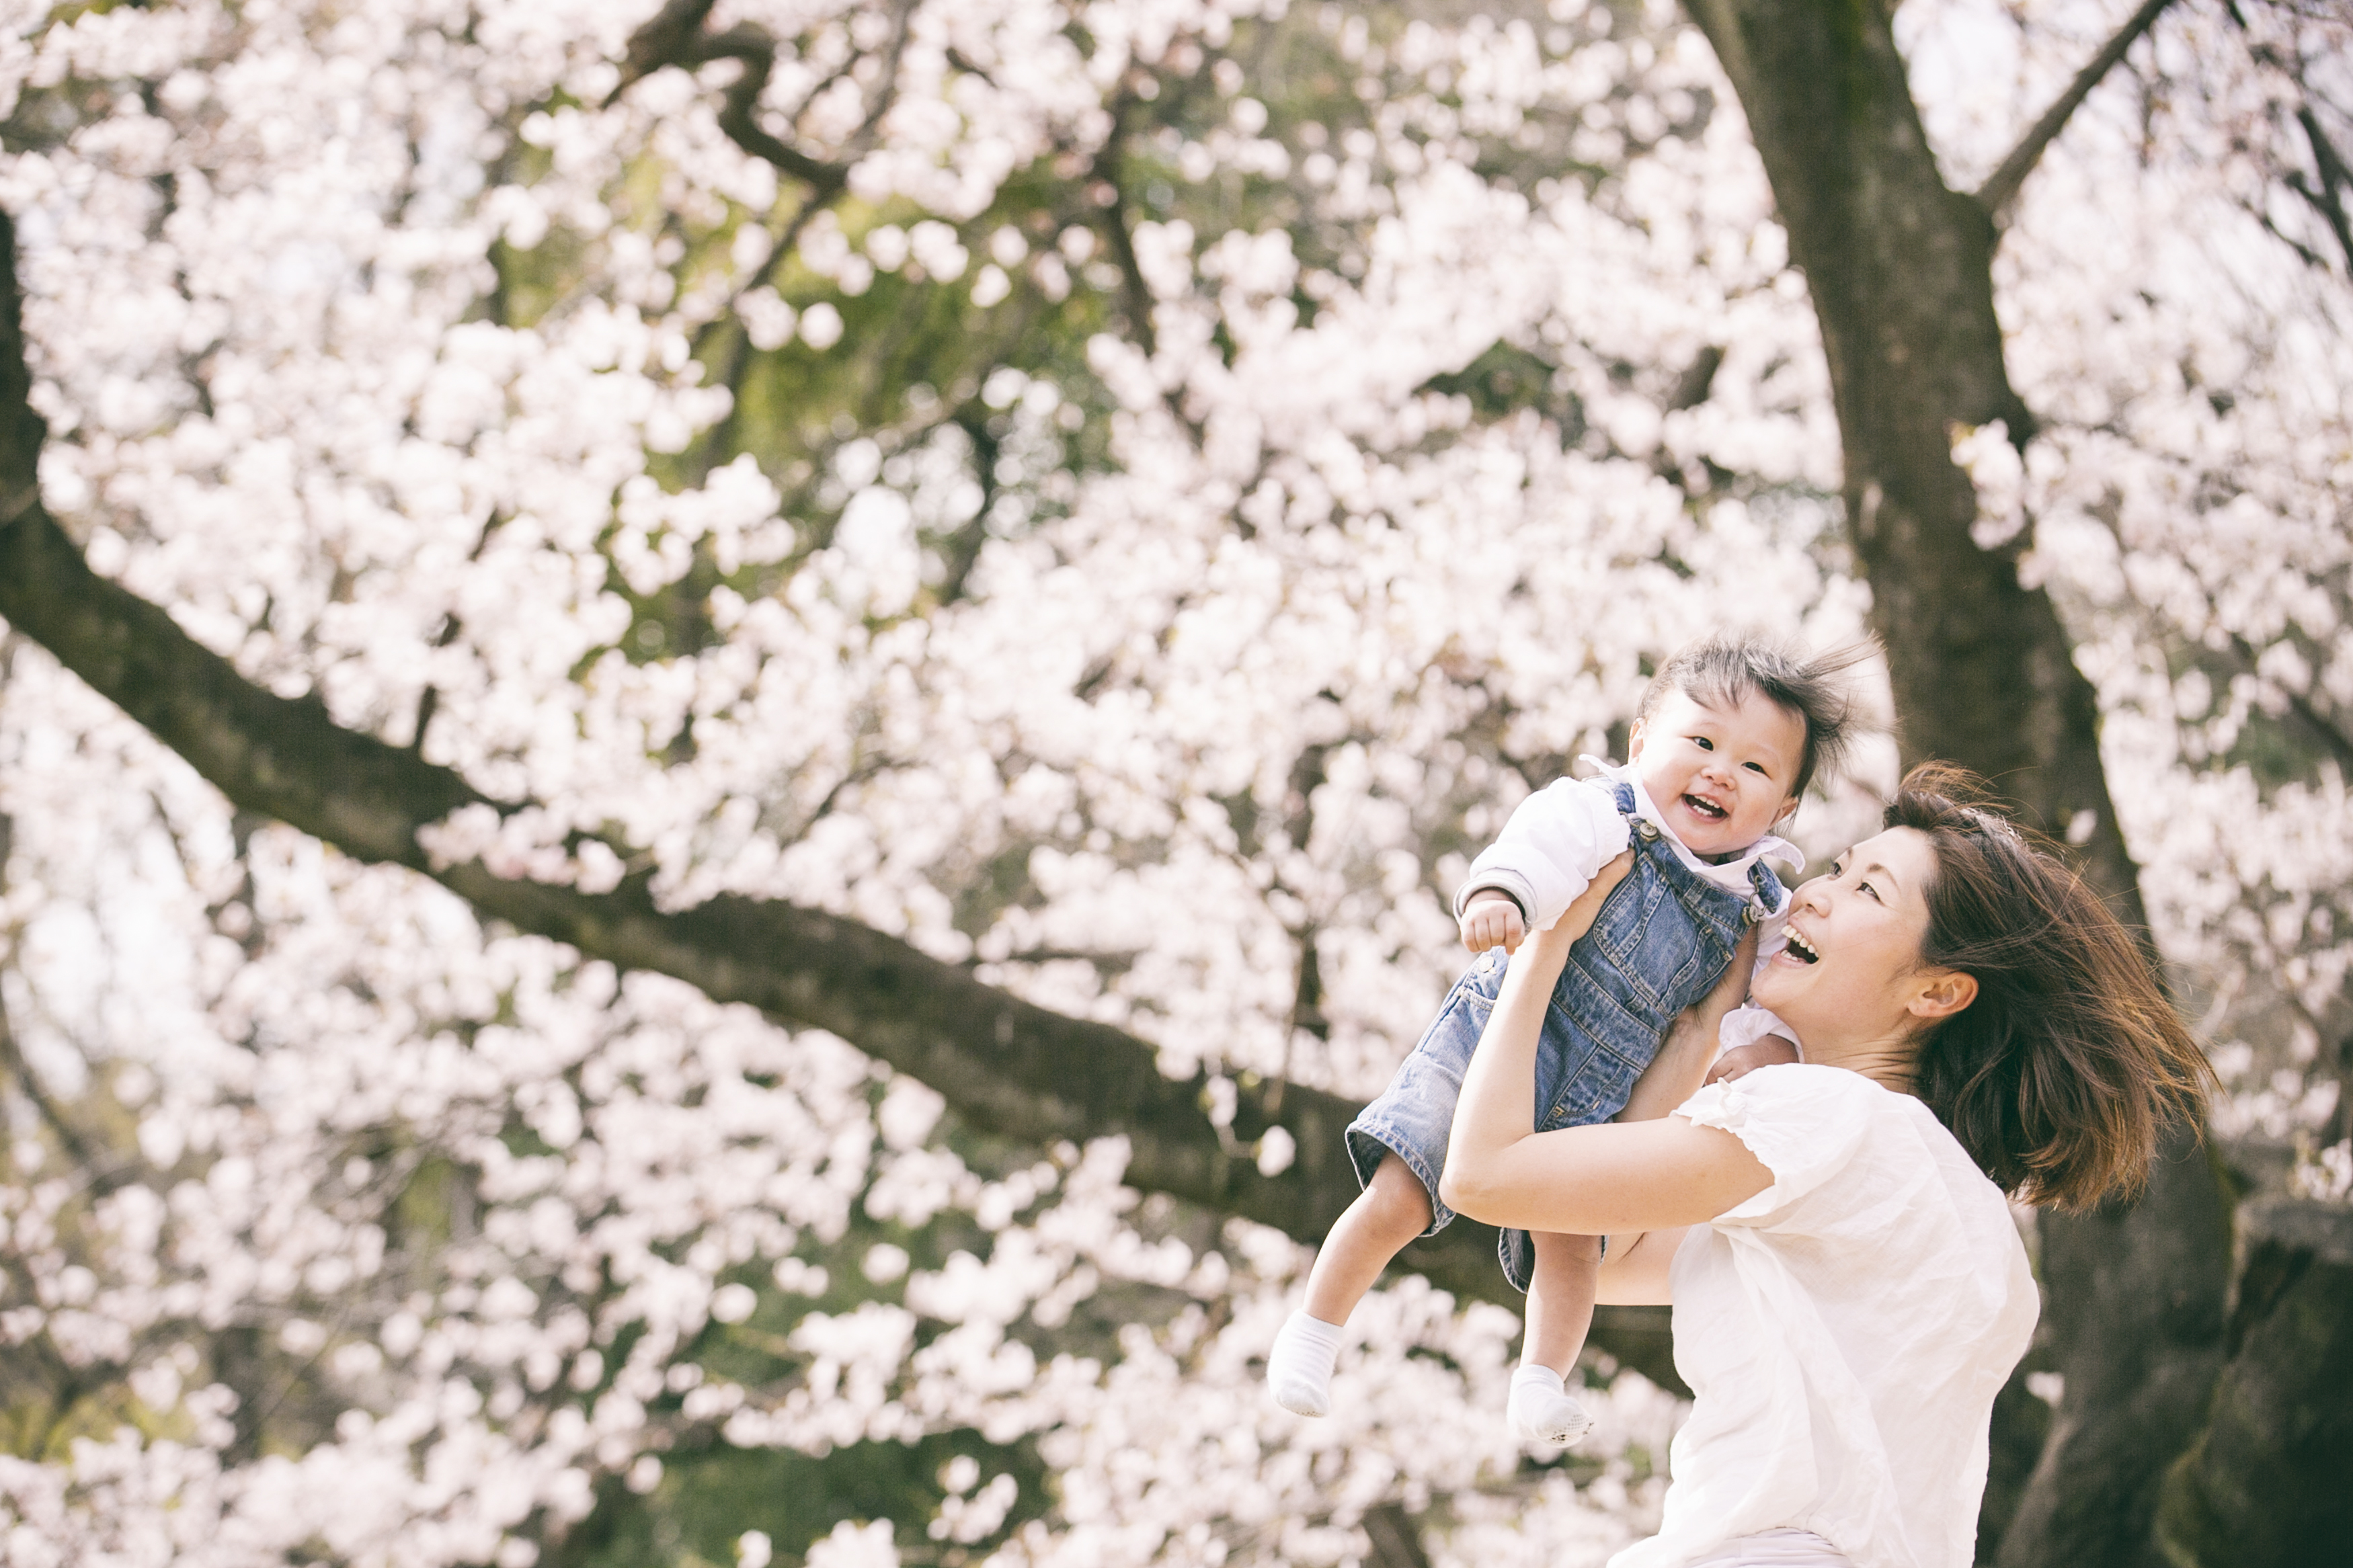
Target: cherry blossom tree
{"type": "Point", "coordinates": [731, 731]}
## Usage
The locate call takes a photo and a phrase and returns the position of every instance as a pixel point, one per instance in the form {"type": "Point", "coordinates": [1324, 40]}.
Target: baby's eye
{"type": "Point", "coordinates": [1703, 743]}
{"type": "Point", "coordinates": [1757, 768]}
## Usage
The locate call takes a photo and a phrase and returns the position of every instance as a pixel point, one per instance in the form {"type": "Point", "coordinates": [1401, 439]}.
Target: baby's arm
{"type": "Point", "coordinates": [1546, 854]}
{"type": "Point", "coordinates": [1491, 917]}
{"type": "Point", "coordinates": [1748, 1058]}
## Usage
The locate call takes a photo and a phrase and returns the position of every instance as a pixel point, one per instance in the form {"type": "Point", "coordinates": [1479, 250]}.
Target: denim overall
{"type": "Point", "coordinates": [1662, 940]}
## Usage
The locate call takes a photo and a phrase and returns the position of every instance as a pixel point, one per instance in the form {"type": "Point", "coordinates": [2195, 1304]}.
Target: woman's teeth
{"type": "Point", "coordinates": [1802, 950]}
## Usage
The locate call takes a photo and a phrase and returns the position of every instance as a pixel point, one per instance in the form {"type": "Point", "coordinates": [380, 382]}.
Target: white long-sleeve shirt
{"type": "Point", "coordinates": [1559, 840]}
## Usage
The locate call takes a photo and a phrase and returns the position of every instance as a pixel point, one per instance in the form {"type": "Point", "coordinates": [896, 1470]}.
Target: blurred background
{"type": "Point", "coordinates": [727, 730]}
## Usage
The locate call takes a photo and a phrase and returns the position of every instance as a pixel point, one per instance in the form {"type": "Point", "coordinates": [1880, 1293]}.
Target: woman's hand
{"type": "Point", "coordinates": [1547, 951]}
{"type": "Point", "coordinates": [1634, 1269]}
{"type": "Point", "coordinates": [1674, 1074]}
{"type": "Point", "coordinates": [1584, 1181]}
{"type": "Point", "coordinates": [1706, 1019]}
{"type": "Point", "coordinates": [1497, 1106]}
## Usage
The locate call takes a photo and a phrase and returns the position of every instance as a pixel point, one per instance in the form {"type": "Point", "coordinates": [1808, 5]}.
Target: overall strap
{"type": "Point", "coordinates": [1700, 896]}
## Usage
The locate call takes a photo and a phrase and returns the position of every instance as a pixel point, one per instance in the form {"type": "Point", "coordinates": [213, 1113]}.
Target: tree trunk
{"type": "Point", "coordinates": [2264, 1485]}
{"type": "Point", "coordinates": [1899, 268]}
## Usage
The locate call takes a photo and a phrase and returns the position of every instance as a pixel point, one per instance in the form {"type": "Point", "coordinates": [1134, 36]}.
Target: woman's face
{"type": "Point", "coordinates": [1851, 972]}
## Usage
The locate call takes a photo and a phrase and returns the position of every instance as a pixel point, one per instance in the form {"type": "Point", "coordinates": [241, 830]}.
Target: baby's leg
{"type": "Point", "coordinates": [1562, 1284]}
{"type": "Point", "coordinates": [1391, 1211]}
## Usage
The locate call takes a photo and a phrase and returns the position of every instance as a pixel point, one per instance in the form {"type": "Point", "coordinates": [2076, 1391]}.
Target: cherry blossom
{"type": "Point", "coordinates": [1325, 419]}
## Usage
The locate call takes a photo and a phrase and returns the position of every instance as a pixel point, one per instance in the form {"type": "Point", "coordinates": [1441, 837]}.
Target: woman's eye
{"type": "Point", "coordinates": [1867, 888]}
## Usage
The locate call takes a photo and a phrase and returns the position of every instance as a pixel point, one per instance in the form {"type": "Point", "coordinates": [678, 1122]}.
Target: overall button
{"type": "Point", "coordinates": [1647, 829]}
{"type": "Point", "coordinates": [1749, 915]}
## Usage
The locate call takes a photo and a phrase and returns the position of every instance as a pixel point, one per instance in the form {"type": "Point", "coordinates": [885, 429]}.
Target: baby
{"type": "Point", "coordinates": [1727, 739]}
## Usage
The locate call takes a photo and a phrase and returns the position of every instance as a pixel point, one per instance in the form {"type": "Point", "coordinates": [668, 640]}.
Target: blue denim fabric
{"type": "Point", "coordinates": [1661, 941]}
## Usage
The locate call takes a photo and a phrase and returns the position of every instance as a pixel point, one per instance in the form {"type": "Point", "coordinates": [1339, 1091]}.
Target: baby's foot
{"type": "Point", "coordinates": [1298, 1367]}
{"type": "Point", "coordinates": [1542, 1411]}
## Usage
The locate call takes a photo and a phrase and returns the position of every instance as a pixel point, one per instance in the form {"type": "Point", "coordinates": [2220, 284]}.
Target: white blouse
{"type": "Point", "coordinates": [1843, 1331]}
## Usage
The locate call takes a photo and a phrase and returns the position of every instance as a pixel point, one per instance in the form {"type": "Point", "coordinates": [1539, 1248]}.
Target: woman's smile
{"type": "Point", "coordinates": [1853, 947]}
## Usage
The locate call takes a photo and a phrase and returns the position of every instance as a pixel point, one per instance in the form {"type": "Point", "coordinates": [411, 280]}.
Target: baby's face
{"type": "Point", "coordinates": [1719, 776]}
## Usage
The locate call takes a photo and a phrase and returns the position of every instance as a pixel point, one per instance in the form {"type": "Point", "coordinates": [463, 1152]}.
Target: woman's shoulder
{"type": "Point", "coordinates": [1792, 1092]}
{"type": "Point", "coordinates": [1801, 1093]}
{"type": "Point", "coordinates": [1832, 1137]}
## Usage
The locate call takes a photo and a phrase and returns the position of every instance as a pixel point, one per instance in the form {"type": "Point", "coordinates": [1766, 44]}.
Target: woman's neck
{"type": "Point", "coordinates": [1887, 1060]}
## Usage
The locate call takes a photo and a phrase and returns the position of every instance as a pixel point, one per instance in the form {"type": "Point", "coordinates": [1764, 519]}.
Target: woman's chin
{"type": "Point", "coordinates": [1780, 986]}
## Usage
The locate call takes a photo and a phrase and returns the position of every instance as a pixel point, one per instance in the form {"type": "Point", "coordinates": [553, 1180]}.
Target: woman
{"type": "Point", "coordinates": [1850, 1290]}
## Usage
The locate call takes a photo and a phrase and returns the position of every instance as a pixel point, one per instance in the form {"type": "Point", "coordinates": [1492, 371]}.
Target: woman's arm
{"type": "Point", "coordinates": [1587, 1181]}
{"type": "Point", "coordinates": [1634, 1274]}
{"type": "Point", "coordinates": [1675, 1073]}
{"type": "Point", "coordinates": [1634, 1265]}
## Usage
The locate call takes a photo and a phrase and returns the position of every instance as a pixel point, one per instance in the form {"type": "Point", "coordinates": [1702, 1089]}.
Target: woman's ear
{"type": "Point", "coordinates": [1943, 994]}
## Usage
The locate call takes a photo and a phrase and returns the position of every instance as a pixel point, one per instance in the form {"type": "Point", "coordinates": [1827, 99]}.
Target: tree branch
{"type": "Point", "coordinates": [1007, 1066]}
{"type": "Point", "coordinates": [674, 36]}
{"type": "Point", "coordinates": [85, 1155]}
{"type": "Point", "coordinates": [2002, 186]}
{"type": "Point", "coordinates": [2319, 725]}
{"type": "Point", "coordinates": [1107, 169]}
{"type": "Point", "coordinates": [2333, 178]}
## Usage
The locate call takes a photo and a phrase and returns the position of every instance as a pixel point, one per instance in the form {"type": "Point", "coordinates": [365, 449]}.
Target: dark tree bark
{"type": "Point", "coordinates": [1899, 268]}
{"type": "Point", "coordinates": [2264, 1485]}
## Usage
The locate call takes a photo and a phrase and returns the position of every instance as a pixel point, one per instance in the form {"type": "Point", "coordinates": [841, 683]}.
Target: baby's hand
{"type": "Point", "coordinates": [1748, 1058]}
{"type": "Point", "coordinates": [1493, 920]}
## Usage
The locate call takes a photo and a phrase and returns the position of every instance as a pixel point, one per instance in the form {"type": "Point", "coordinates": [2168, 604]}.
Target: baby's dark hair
{"type": "Point", "coordinates": [1722, 669]}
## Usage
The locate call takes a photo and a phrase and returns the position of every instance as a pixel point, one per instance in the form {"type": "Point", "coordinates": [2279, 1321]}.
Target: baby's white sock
{"type": "Point", "coordinates": [1542, 1410]}
{"type": "Point", "coordinates": [1298, 1367]}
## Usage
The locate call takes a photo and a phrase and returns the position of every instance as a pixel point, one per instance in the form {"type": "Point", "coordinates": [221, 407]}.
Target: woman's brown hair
{"type": "Point", "coordinates": [2059, 1076]}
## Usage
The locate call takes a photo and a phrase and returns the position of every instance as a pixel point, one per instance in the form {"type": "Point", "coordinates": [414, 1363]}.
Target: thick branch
{"type": "Point", "coordinates": [2003, 184]}
{"type": "Point", "coordinates": [1005, 1065]}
